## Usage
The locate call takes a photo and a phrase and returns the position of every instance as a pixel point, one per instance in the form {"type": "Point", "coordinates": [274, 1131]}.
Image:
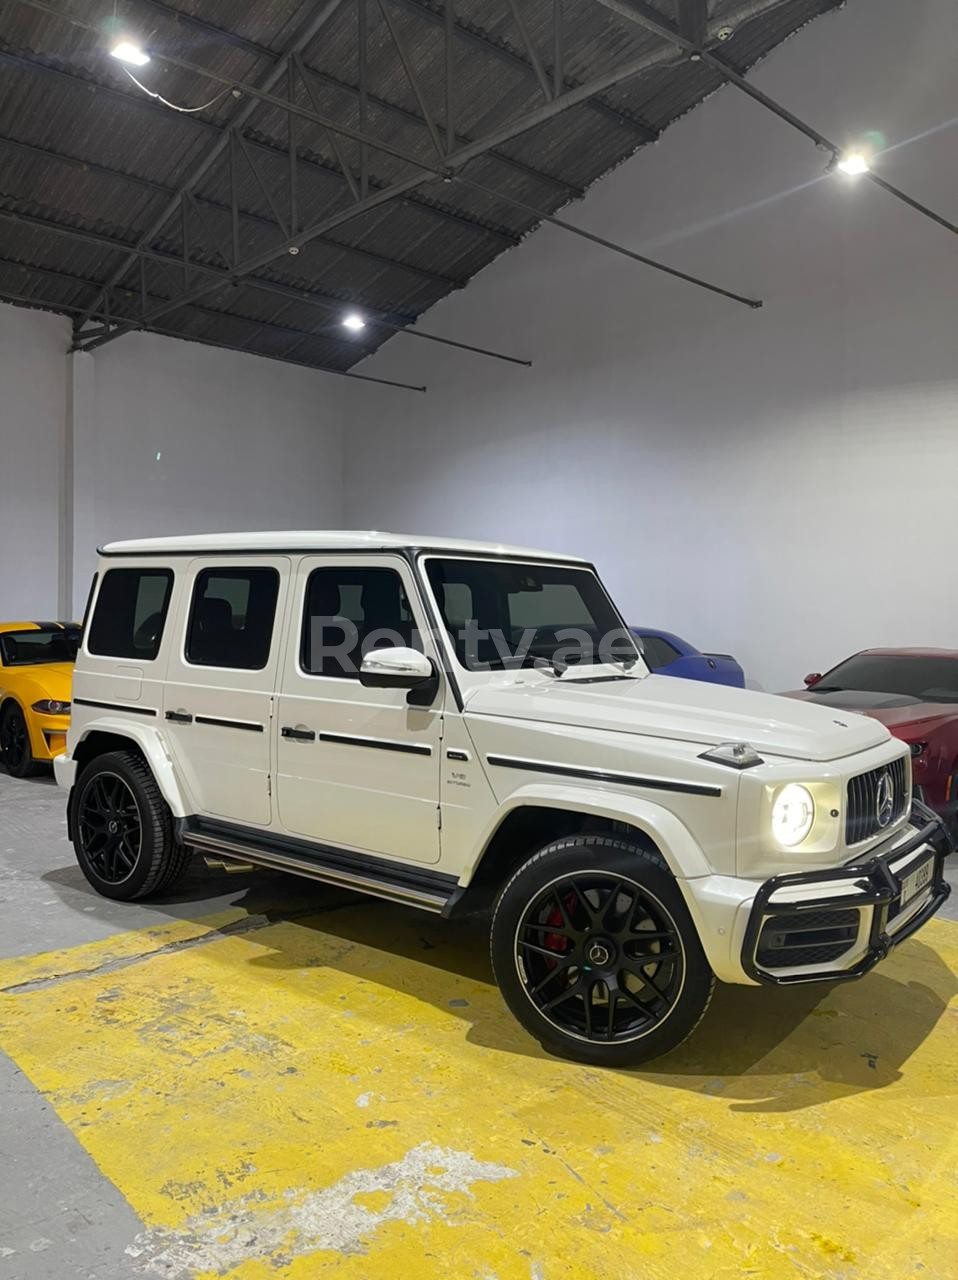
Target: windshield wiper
{"type": "Point", "coordinates": [555, 666]}
{"type": "Point", "coordinates": [827, 688]}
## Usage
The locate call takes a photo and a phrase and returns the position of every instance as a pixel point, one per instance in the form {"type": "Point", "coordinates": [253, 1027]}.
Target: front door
{"type": "Point", "coordinates": [220, 683]}
{"type": "Point", "coordinates": [357, 768]}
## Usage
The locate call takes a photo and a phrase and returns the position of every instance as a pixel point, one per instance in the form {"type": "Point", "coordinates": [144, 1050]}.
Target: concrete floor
{"type": "Point", "coordinates": [264, 1078]}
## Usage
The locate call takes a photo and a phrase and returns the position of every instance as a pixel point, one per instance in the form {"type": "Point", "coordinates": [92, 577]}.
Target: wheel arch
{"type": "Point", "coordinates": [9, 699]}
{"type": "Point", "coordinates": [537, 814]}
{"type": "Point", "coordinates": [102, 736]}
{"type": "Point", "coordinates": [34, 735]}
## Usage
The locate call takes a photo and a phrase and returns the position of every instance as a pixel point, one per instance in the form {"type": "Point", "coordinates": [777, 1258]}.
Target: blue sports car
{"type": "Point", "coordinates": [669, 655]}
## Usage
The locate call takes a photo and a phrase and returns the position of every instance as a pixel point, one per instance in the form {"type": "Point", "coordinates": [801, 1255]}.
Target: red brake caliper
{"type": "Point", "coordinates": [558, 941]}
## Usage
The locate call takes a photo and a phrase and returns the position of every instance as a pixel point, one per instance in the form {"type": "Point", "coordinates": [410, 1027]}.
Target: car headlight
{"type": "Point", "coordinates": [50, 707]}
{"type": "Point", "coordinates": [792, 815]}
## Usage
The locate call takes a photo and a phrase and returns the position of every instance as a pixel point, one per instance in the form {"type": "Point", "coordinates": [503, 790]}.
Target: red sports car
{"type": "Point", "coordinates": [915, 693]}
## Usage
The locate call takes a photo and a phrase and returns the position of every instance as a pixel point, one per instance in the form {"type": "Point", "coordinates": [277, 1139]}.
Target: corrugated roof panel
{"type": "Point", "coordinates": [60, 91]}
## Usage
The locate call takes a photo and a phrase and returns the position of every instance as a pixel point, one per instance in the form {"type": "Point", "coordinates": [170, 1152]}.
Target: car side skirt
{"type": "Point", "coordinates": [383, 878]}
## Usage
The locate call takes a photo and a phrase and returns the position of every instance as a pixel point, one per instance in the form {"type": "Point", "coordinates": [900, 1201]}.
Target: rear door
{"type": "Point", "coordinates": [357, 768]}
{"type": "Point", "coordinates": [220, 680]}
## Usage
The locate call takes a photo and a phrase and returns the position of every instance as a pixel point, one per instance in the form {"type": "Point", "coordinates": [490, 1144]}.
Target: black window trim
{"type": "Point", "coordinates": [400, 559]}
{"type": "Point", "coordinates": [412, 555]}
{"type": "Point", "coordinates": [159, 568]}
{"type": "Point", "coordinates": [87, 608]}
{"type": "Point", "coordinates": [441, 638]}
{"type": "Point", "coordinates": [224, 569]}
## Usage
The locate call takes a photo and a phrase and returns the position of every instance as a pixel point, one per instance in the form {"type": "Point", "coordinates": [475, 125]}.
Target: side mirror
{"type": "Point", "coordinates": [813, 678]}
{"type": "Point", "coordinates": [400, 668]}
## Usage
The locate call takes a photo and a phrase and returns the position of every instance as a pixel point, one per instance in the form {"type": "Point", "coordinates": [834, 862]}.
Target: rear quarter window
{"type": "Point", "coordinates": [130, 613]}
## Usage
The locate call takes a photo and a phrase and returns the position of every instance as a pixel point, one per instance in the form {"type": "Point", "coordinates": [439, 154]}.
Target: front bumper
{"type": "Point", "coordinates": [48, 735]}
{"type": "Point", "coordinates": [65, 770]}
{"type": "Point", "coordinates": [834, 925]}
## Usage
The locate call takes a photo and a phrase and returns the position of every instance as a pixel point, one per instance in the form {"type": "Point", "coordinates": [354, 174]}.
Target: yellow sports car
{"type": "Point", "coordinates": [36, 668]}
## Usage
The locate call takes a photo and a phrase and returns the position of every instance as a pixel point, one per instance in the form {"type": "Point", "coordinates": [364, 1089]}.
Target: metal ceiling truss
{"type": "Point", "coordinates": [283, 87]}
{"type": "Point", "coordinates": [385, 105]}
{"type": "Point", "coordinates": [47, 304]}
{"type": "Point", "coordinates": [175, 265]}
{"type": "Point", "coordinates": [446, 164]}
{"type": "Point", "coordinates": [417, 203]}
{"type": "Point", "coordinates": [691, 38]}
{"type": "Point", "coordinates": [271, 325]}
{"type": "Point", "coordinates": [478, 39]}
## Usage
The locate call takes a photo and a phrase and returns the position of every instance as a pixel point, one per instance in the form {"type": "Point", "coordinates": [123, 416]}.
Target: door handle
{"type": "Point", "coordinates": [298, 735]}
{"type": "Point", "coordinates": [179, 717]}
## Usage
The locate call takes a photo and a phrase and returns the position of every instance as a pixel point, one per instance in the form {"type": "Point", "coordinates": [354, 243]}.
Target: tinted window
{"type": "Point", "coordinates": [30, 648]}
{"type": "Point", "coordinates": [130, 613]}
{"type": "Point", "coordinates": [658, 652]}
{"type": "Point", "coordinates": [927, 679]}
{"type": "Point", "coordinates": [540, 606]}
{"type": "Point", "coordinates": [502, 615]}
{"type": "Point", "coordinates": [231, 618]}
{"type": "Point", "coordinates": [350, 611]}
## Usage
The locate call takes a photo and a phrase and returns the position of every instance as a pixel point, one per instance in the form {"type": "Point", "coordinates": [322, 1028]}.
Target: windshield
{"type": "Point", "coordinates": [926, 679]}
{"type": "Point", "coordinates": [501, 615]}
{"type": "Point", "coordinates": [48, 644]}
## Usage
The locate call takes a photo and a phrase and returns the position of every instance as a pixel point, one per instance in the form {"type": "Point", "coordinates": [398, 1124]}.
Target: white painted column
{"type": "Point", "coordinates": [77, 486]}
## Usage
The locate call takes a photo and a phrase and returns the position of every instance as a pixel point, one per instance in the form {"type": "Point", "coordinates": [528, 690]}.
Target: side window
{"type": "Point", "coordinates": [658, 652]}
{"type": "Point", "coordinates": [130, 613]}
{"type": "Point", "coordinates": [231, 618]}
{"type": "Point", "coordinates": [350, 610]}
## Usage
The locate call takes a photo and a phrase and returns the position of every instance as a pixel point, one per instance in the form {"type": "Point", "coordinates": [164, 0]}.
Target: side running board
{"type": "Point", "coordinates": [396, 881]}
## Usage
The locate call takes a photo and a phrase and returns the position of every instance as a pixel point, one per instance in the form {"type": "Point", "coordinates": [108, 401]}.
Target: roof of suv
{"type": "Point", "coordinates": [316, 540]}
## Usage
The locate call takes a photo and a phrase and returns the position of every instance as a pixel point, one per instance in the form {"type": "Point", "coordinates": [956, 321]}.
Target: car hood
{"type": "Point", "coordinates": [897, 712]}
{"type": "Point", "coordinates": [688, 711]}
{"type": "Point", "coordinates": [47, 680]}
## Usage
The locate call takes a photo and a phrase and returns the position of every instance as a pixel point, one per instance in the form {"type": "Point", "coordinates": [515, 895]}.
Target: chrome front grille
{"type": "Point", "coordinates": [870, 807]}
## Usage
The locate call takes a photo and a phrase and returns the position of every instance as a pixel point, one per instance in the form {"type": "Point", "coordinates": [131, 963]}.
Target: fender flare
{"type": "Point", "coordinates": [671, 837]}
{"type": "Point", "coordinates": [151, 745]}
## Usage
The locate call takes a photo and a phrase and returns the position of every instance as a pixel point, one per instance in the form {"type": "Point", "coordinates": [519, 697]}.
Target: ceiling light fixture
{"type": "Point", "coordinates": [853, 163]}
{"type": "Point", "coordinates": [126, 51]}
{"type": "Point", "coordinates": [354, 322]}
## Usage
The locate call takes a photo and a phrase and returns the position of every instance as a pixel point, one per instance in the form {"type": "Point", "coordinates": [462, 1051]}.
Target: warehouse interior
{"type": "Point", "coordinates": [668, 285]}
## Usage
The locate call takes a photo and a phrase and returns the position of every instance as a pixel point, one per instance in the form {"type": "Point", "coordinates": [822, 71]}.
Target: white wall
{"type": "Point", "coordinates": [170, 437]}
{"type": "Point", "coordinates": [780, 483]}
{"type": "Point", "coordinates": [32, 406]}
{"type": "Point", "coordinates": [192, 439]}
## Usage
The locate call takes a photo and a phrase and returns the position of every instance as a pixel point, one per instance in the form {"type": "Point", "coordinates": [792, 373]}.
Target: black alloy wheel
{"type": "Point", "coordinates": [599, 957]}
{"type": "Point", "coordinates": [595, 951]}
{"type": "Point", "coordinates": [122, 829]}
{"type": "Point", "coordinates": [15, 742]}
{"type": "Point", "coordinates": [109, 828]}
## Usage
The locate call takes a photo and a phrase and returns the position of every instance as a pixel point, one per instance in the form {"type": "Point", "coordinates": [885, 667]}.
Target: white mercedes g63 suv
{"type": "Point", "coordinates": [461, 726]}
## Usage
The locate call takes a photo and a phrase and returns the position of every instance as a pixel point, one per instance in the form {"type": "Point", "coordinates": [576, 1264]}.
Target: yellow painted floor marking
{"type": "Point", "coordinates": [346, 1096]}
{"type": "Point", "coordinates": [120, 946]}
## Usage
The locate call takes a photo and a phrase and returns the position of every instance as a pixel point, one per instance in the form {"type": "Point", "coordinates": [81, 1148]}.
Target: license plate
{"type": "Point", "coordinates": [916, 881]}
